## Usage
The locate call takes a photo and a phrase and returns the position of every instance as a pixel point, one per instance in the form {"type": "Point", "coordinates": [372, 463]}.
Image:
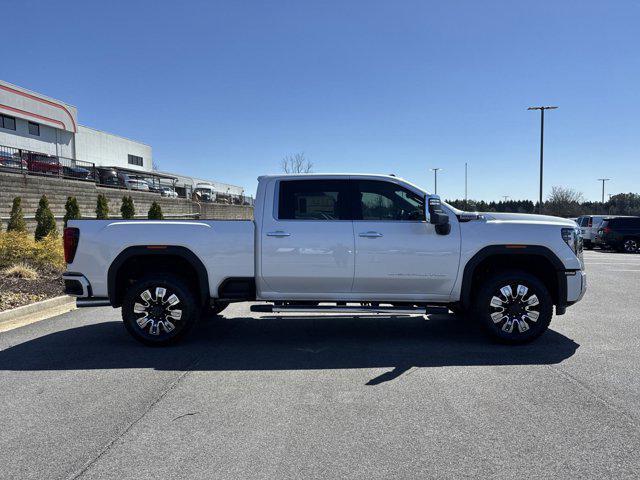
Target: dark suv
{"type": "Point", "coordinates": [621, 233]}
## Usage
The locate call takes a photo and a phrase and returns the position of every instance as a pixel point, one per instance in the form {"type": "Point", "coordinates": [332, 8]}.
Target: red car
{"type": "Point", "coordinates": [40, 163]}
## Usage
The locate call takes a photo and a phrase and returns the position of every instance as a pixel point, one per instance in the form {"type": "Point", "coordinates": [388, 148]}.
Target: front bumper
{"type": "Point", "coordinates": [576, 285]}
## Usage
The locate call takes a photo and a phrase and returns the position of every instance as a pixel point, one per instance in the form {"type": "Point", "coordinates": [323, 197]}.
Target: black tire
{"type": "Point", "coordinates": [168, 330]}
{"type": "Point", "coordinates": [631, 245]}
{"type": "Point", "coordinates": [513, 321]}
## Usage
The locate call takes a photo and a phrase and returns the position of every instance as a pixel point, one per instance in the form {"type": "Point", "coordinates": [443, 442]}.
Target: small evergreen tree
{"type": "Point", "coordinates": [16, 219]}
{"type": "Point", "coordinates": [102, 208]}
{"type": "Point", "coordinates": [46, 223]}
{"type": "Point", "coordinates": [72, 210]}
{"type": "Point", "coordinates": [155, 212]}
{"type": "Point", "coordinates": [127, 209]}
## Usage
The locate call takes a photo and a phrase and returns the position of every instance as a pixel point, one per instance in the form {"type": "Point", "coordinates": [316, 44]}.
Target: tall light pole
{"type": "Point", "coordinates": [506, 197]}
{"type": "Point", "coordinates": [603, 180]}
{"type": "Point", "coordinates": [542, 109]}
{"type": "Point", "coordinates": [465, 184]}
{"type": "Point", "coordinates": [435, 180]}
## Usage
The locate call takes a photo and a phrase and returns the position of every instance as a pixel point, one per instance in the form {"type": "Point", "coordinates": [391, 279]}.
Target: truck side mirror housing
{"type": "Point", "coordinates": [437, 216]}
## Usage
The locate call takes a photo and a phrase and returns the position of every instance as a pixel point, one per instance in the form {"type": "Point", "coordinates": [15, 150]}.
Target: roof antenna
{"type": "Point", "coordinates": [392, 174]}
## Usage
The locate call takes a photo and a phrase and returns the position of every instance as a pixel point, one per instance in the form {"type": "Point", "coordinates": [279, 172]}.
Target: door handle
{"type": "Point", "coordinates": [371, 234]}
{"type": "Point", "coordinates": [279, 233]}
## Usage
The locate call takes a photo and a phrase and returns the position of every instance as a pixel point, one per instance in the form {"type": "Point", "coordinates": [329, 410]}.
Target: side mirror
{"type": "Point", "coordinates": [437, 216]}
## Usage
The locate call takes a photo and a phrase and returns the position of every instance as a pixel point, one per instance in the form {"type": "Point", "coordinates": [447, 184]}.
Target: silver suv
{"type": "Point", "coordinates": [589, 225]}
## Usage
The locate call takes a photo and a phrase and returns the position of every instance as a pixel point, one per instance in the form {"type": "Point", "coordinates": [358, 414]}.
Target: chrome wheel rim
{"type": "Point", "coordinates": [631, 246]}
{"type": "Point", "coordinates": [514, 310]}
{"type": "Point", "coordinates": [158, 311]}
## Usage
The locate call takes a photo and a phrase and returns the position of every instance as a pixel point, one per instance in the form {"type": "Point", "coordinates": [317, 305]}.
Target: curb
{"type": "Point", "coordinates": [35, 312]}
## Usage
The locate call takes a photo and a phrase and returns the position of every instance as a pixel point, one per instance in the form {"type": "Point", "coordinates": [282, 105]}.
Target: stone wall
{"type": "Point", "coordinates": [31, 188]}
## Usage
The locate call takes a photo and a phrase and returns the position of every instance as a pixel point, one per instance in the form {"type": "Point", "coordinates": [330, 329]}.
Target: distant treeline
{"type": "Point", "coordinates": [561, 202]}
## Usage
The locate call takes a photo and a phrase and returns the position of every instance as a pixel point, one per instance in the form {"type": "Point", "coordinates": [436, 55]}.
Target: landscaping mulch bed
{"type": "Point", "coordinates": [16, 292]}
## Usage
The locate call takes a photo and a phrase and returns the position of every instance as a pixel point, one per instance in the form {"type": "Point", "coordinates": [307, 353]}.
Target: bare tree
{"type": "Point", "coordinates": [563, 202]}
{"type": "Point", "coordinates": [296, 163]}
{"type": "Point", "coordinates": [155, 166]}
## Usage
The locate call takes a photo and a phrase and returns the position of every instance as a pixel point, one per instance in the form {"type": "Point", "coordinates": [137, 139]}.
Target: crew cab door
{"type": "Point", "coordinates": [397, 251]}
{"type": "Point", "coordinates": [307, 244]}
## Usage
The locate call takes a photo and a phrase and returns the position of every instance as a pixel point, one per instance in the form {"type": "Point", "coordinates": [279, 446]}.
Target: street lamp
{"type": "Point", "coordinates": [603, 180]}
{"type": "Point", "coordinates": [542, 109]}
{"type": "Point", "coordinates": [435, 180]}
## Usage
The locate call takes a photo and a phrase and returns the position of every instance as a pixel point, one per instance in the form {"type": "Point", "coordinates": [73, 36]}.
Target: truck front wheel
{"type": "Point", "coordinates": [159, 310]}
{"type": "Point", "coordinates": [514, 307]}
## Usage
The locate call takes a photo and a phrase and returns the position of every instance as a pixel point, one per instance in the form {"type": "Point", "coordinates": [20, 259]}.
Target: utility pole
{"type": "Point", "coordinates": [603, 180]}
{"type": "Point", "coordinates": [435, 180]}
{"type": "Point", "coordinates": [506, 197]}
{"type": "Point", "coordinates": [465, 184]}
{"type": "Point", "coordinates": [542, 109]}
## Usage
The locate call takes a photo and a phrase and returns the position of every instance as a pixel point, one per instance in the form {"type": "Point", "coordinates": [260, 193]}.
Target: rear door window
{"type": "Point", "coordinates": [316, 200]}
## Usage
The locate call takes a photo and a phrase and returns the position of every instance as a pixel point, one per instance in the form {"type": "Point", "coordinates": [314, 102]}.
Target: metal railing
{"type": "Point", "coordinates": [35, 163]}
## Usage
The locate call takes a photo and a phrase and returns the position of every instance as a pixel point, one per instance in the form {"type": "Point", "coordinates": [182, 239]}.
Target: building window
{"type": "Point", "coordinates": [7, 122]}
{"type": "Point", "coordinates": [34, 129]}
{"type": "Point", "coordinates": [135, 160]}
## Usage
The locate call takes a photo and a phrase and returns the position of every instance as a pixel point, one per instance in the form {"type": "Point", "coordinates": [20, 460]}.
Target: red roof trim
{"type": "Point", "coordinates": [35, 115]}
{"type": "Point", "coordinates": [43, 100]}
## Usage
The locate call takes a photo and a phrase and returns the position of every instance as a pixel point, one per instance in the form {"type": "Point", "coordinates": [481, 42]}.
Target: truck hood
{"type": "Point", "coordinates": [528, 218]}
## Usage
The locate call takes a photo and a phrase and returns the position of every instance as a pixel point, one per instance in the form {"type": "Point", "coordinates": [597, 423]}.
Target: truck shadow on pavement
{"type": "Point", "coordinates": [272, 343]}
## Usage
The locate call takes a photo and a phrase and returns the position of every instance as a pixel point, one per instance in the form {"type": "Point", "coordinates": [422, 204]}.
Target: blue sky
{"type": "Point", "coordinates": [226, 89]}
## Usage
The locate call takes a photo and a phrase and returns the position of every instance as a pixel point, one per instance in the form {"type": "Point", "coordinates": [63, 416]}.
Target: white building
{"type": "Point", "coordinates": [32, 121]}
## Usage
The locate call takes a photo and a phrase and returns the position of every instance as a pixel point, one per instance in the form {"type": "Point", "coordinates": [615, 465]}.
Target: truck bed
{"type": "Point", "coordinates": [225, 247]}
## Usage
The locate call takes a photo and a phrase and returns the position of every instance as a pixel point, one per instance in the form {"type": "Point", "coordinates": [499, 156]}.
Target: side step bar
{"type": "Point", "coordinates": [92, 302]}
{"type": "Point", "coordinates": [354, 310]}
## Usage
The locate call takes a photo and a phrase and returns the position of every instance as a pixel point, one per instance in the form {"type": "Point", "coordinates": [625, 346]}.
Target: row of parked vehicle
{"type": "Point", "coordinates": [621, 233]}
{"type": "Point", "coordinates": [42, 164]}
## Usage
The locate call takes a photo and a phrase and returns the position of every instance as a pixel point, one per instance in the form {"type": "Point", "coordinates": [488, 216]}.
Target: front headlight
{"type": "Point", "coordinates": [572, 238]}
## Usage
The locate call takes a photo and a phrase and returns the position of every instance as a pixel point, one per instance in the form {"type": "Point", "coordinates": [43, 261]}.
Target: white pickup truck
{"type": "Point", "coordinates": [357, 244]}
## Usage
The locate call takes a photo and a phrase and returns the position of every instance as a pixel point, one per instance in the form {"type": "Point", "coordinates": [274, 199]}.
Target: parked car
{"type": "Point", "coordinates": [589, 225]}
{"type": "Point", "coordinates": [621, 234]}
{"type": "Point", "coordinates": [77, 172]}
{"type": "Point", "coordinates": [153, 187]}
{"type": "Point", "coordinates": [377, 241]}
{"type": "Point", "coordinates": [109, 177]}
{"type": "Point", "coordinates": [41, 163]}
{"type": "Point", "coordinates": [133, 183]}
{"type": "Point", "coordinates": [12, 160]}
{"type": "Point", "coordinates": [168, 192]}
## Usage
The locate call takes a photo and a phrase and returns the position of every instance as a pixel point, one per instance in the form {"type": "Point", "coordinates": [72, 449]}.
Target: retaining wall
{"type": "Point", "coordinates": [31, 188]}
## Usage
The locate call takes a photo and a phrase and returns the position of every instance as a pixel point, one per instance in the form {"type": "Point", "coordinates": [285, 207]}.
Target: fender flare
{"type": "Point", "coordinates": [535, 250]}
{"type": "Point", "coordinates": [147, 250]}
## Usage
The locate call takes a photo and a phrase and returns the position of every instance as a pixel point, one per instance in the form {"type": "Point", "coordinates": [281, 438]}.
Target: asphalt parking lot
{"type": "Point", "coordinates": [326, 397]}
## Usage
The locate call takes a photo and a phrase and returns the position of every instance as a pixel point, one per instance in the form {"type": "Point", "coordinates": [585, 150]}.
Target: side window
{"type": "Point", "coordinates": [387, 201]}
{"type": "Point", "coordinates": [582, 221]}
{"type": "Point", "coordinates": [313, 200]}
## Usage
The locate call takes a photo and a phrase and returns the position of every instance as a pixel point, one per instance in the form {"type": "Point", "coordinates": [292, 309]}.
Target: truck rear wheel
{"type": "Point", "coordinates": [159, 310]}
{"type": "Point", "coordinates": [514, 307]}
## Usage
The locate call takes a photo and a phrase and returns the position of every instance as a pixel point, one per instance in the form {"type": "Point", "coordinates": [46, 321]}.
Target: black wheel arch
{"type": "Point", "coordinates": [153, 252]}
{"type": "Point", "coordinates": [541, 260]}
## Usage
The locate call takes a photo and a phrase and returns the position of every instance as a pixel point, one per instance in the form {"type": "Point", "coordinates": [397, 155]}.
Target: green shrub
{"type": "Point", "coordinates": [72, 210]}
{"type": "Point", "coordinates": [21, 248]}
{"type": "Point", "coordinates": [16, 218]}
{"type": "Point", "coordinates": [102, 208]}
{"type": "Point", "coordinates": [127, 209]}
{"type": "Point", "coordinates": [46, 223]}
{"type": "Point", "coordinates": [155, 212]}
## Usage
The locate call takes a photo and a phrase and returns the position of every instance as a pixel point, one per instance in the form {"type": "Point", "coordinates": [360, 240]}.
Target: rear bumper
{"type": "Point", "coordinates": [76, 285]}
